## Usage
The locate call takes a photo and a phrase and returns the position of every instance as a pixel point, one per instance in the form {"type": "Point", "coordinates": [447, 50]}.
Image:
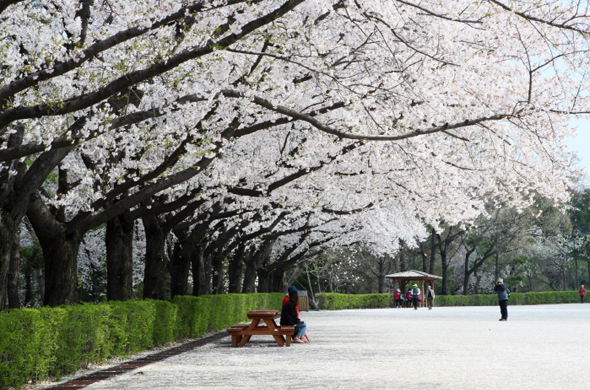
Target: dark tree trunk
{"type": "Point", "coordinates": [96, 275]}
{"type": "Point", "coordinates": [201, 272]}
{"type": "Point", "coordinates": [477, 282]}
{"type": "Point", "coordinates": [28, 287]}
{"type": "Point", "coordinates": [443, 247]}
{"type": "Point", "coordinates": [235, 270]}
{"type": "Point", "coordinates": [41, 283]}
{"type": "Point", "coordinates": [432, 251]}
{"type": "Point", "coordinates": [271, 280]}
{"type": "Point", "coordinates": [16, 193]}
{"type": "Point", "coordinates": [154, 282]}
{"type": "Point", "coordinates": [186, 252]}
{"type": "Point", "coordinates": [381, 276]}
{"type": "Point", "coordinates": [180, 265]}
{"type": "Point", "coordinates": [249, 285]}
{"type": "Point", "coordinates": [254, 262]}
{"type": "Point", "coordinates": [445, 272]}
{"type": "Point", "coordinates": [119, 246]}
{"type": "Point", "coordinates": [13, 273]}
{"type": "Point", "coordinates": [8, 229]}
{"type": "Point", "coordinates": [467, 272]}
{"type": "Point", "coordinates": [424, 257]}
{"type": "Point", "coordinates": [576, 275]}
{"type": "Point", "coordinates": [60, 253]}
{"type": "Point", "coordinates": [277, 279]}
{"type": "Point", "coordinates": [466, 282]}
{"type": "Point", "coordinates": [13, 206]}
{"type": "Point", "coordinates": [217, 262]}
{"type": "Point", "coordinates": [402, 260]}
{"type": "Point", "coordinates": [61, 270]}
{"type": "Point", "coordinates": [497, 275]}
{"type": "Point", "coordinates": [179, 273]}
{"type": "Point", "coordinates": [263, 281]}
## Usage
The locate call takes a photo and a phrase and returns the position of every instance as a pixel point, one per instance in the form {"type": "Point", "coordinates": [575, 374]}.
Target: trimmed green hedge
{"type": "Point", "coordinates": [333, 301]}
{"type": "Point", "coordinates": [36, 344]}
{"type": "Point", "coordinates": [329, 301]}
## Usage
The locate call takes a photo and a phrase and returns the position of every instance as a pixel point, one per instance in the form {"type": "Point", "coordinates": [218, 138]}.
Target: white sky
{"type": "Point", "coordinates": [581, 146]}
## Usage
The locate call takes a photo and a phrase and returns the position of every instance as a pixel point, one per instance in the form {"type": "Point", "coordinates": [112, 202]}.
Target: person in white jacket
{"type": "Point", "coordinates": [415, 296]}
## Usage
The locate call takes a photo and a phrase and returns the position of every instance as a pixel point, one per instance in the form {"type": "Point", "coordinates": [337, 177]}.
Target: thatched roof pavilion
{"type": "Point", "coordinates": [413, 275]}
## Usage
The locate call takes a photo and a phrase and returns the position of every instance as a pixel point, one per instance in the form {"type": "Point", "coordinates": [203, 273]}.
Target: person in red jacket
{"type": "Point", "coordinates": [397, 296]}
{"type": "Point", "coordinates": [582, 292]}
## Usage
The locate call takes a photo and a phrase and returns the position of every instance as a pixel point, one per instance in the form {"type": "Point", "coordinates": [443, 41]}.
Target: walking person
{"type": "Point", "coordinates": [409, 298]}
{"type": "Point", "coordinates": [430, 297]}
{"type": "Point", "coordinates": [415, 296]}
{"type": "Point", "coordinates": [582, 292]}
{"type": "Point", "coordinates": [502, 291]}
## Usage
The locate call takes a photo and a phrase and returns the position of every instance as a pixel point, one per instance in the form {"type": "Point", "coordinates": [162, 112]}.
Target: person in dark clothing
{"type": "Point", "coordinates": [286, 299]}
{"type": "Point", "coordinates": [430, 297]}
{"type": "Point", "coordinates": [289, 317]}
{"type": "Point", "coordinates": [409, 298]}
{"type": "Point", "coordinates": [502, 291]}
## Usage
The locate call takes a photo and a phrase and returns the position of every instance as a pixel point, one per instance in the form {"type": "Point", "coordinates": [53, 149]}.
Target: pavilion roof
{"type": "Point", "coordinates": [412, 274]}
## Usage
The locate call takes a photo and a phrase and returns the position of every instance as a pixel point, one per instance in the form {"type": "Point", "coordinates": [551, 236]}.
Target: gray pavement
{"type": "Point", "coordinates": [539, 347]}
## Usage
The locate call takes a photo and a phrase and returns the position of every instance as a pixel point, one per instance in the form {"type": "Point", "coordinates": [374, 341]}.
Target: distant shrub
{"type": "Point", "coordinates": [334, 301]}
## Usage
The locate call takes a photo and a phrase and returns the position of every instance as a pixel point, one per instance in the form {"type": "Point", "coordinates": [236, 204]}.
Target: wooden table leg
{"type": "Point", "coordinates": [235, 340]}
{"type": "Point", "coordinates": [280, 340]}
{"type": "Point", "coordinates": [244, 340]}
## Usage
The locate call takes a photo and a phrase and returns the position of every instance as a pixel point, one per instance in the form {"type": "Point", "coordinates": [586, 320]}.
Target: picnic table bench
{"type": "Point", "coordinates": [263, 323]}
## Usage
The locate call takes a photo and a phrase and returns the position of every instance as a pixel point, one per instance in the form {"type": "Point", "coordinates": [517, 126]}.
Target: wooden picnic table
{"type": "Point", "coordinates": [263, 323]}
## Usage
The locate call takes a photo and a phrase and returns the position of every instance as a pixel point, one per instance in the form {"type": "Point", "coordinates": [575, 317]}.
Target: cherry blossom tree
{"type": "Point", "coordinates": [60, 70]}
{"type": "Point", "coordinates": [126, 101]}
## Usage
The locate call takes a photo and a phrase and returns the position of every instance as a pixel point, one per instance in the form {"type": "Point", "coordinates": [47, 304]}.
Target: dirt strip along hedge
{"type": "Point", "coordinates": [331, 301]}
{"type": "Point", "coordinates": [37, 344]}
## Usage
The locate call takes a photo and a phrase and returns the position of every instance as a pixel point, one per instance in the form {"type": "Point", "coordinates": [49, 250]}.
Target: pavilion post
{"type": "Point", "coordinates": [423, 301]}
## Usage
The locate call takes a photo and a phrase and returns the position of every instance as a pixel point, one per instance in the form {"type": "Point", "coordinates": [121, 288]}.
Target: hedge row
{"type": "Point", "coordinates": [36, 344]}
{"type": "Point", "coordinates": [329, 301]}
{"type": "Point", "coordinates": [333, 301]}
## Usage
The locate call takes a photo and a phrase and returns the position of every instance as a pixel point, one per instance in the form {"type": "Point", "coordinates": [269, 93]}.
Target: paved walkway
{"type": "Point", "coordinates": [540, 347]}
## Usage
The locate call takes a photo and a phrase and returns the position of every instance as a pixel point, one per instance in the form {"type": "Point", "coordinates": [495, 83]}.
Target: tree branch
{"type": "Point", "coordinates": [536, 19]}
{"type": "Point", "coordinates": [328, 129]}
{"type": "Point", "coordinates": [132, 78]}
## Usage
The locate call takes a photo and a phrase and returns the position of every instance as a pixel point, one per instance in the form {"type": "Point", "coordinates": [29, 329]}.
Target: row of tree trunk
{"type": "Point", "coordinates": [229, 263]}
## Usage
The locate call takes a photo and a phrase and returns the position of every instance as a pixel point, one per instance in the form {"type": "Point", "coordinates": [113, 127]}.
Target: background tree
{"type": "Point", "coordinates": [580, 220]}
{"type": "Point", "coordinates": [500, 233]}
